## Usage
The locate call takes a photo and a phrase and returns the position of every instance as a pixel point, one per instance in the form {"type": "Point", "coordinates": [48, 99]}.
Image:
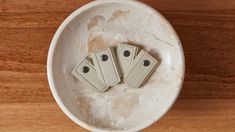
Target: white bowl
{"type": "Point", "coordinates": [105, 23]}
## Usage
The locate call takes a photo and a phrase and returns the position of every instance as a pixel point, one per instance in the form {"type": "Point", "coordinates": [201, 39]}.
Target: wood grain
{"type": "Point", "coordinates": [206, 28]}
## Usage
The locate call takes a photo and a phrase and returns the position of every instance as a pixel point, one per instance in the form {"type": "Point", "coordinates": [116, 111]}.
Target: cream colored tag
{"type": "Point", "coordinates": [86, 73]}
{"type": "Point", "coordinates": [140, 69]}
{"type": "Point", "coordinates": [106, 66]}
{"type": "Point", "coordinates": [125, 56]}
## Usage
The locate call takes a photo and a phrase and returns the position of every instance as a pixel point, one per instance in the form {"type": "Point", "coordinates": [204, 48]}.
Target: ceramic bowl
{"type": "Point", "coordinates": [106, 23]}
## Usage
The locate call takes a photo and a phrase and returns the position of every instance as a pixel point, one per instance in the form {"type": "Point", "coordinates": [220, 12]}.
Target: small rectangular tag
{"type": "Point", "coordinates": [125, 56]}
{"type": "Point", "coordinates": [106, 66]}
{"type": "Point", "coordinates": [86, 72]}
{"type": "Point", "coordinates": [140, 69]}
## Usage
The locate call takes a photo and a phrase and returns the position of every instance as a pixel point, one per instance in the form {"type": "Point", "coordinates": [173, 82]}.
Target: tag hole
{"type": "Point", "coordinates": [146, 63]}
{"type": "Point", "coordinates": [126, 53]}
{"type": "Point", "coordinates": [86, 69]}
{"type": "Point", "coordinates": [104, 57]}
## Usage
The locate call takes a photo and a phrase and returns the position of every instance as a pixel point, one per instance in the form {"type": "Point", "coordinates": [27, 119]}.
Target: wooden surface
{"type": "Point", "coordinates": [207, 31]}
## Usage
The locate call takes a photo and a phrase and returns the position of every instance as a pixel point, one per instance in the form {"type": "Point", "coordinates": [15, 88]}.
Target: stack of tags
{"type": "Point", "coordinates": [110, 66]}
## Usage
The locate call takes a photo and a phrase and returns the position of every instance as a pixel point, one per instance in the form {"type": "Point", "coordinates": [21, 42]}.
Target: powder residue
{"type": "Point", "coordinates": [84, 105]}
{"type": "Point", "coordinates": [118, 14]}
{"type": "Point", "coordinates": [124, 106]}
{"type": "Point", "coordinates": [96, 43]}
{"type": "Point", "coordinates": [94, 21]}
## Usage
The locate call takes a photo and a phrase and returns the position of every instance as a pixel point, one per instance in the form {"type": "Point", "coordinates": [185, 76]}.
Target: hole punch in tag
{"type": "Point", "coordinates": [106, 65]}
{"type": "Point", "coordinates": [86, 72]}
{"type": "Point", "coordinates": [125, 56]}
{"type": "Point", "coordinates": [140, 70]}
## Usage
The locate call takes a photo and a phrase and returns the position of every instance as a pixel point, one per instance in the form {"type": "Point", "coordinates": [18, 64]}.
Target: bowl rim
{"type": "Point", "coordinates": [51, 56]}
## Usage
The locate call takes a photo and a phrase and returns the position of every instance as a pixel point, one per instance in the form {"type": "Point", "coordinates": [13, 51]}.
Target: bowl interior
{"type": "Point", "coordinates": [104, 24]}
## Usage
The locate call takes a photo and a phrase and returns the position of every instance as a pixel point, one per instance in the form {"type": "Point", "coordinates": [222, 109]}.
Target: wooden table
{"type": "Point", "coordinates": [207, 31]}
